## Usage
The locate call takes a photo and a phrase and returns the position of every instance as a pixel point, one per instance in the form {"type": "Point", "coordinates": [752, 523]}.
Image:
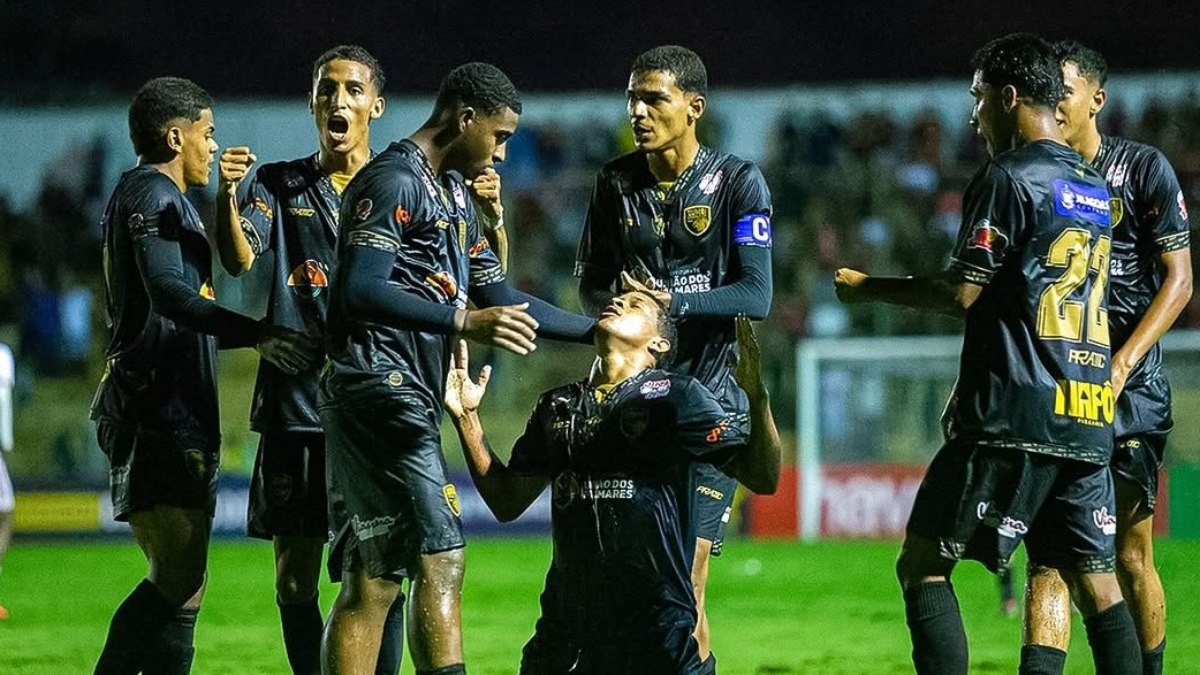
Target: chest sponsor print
{"type": "Point", "coordinates": [309, 279]}
{"type": "Point", "coordinates": [1085, 202]}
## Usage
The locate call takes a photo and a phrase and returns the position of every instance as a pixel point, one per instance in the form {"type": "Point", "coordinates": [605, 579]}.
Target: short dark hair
{"type": "Point", "coordinates": [481, 86]}
{"type": "Point", "coordinates": [685, 64]}
{"type": "Point", "coordinates": [356, 54]}
{"type": "Point", "coordinates": [1025, 61]}
{"type": "Point", "coordinates": [1090, 62]}
{"type": "Point", "coordinates": [157, 103]}
{"type": "Point", "coordinates": [666, 329]}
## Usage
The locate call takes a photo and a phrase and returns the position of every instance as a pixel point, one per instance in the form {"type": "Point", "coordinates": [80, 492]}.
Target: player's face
{"type": "Point", "coordinates": [344, 100]}
{"type": "Point", "coordinates": [1076, 112]}
{"type": "Point", "coordinates": [632, 319]}
{"type": "Point", "coordinates": [483, 142]}
{"type": "Point", "coordinates": [660, 113]}
{"type": "Point", "coordinates": [988, 116]}
{"type": "Point", "coordinates": [198, 147]}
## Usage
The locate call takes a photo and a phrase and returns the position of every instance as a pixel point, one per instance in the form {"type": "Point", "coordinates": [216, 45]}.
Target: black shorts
{"type": "Point", "coordinates": [979, 503]}
{"type": "Point", "coordinates": [287, 489]}
{"type": "Point", "coordinates": [673, 652]}
{"type": "Point", "coordinates": [389, 499]}
{"type": "Point", "coordinates": [1138, 459]}
{"type": "Point", "coordinates": [153, 468]}
{"type": "Point", "coordinates": [713, 503]}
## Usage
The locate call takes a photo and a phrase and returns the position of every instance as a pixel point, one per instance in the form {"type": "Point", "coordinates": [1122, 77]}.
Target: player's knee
{"type": "Point", "coordinates": [1132, 559]}
{"type": "Point", "coordinates": [1093, 593]}
{"type": "Point", "coordinates": [292, 588]}
{"type": "Point", "coordinates": [443, 570]}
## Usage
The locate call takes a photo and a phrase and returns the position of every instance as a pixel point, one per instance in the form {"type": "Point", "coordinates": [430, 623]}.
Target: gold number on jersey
{"type": "Point", "coordinates": [1059, 317]}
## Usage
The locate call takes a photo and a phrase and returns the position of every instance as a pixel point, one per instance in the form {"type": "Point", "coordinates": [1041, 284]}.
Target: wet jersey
{"type": "Point", "coordinates": [160, 373]}
{"type": "Point", "coordinates": [684, 238]}
{"type": "Point", "coordinates": [397, 205]}
{"type": "Point", "coordinates": [1034, 372]}
{"type": "Point", "coordinates": [291, 210]}
{"type": "Point", "coordinates": [621, 482]}
{"type": "Point", "coordinates": [1149, 218]}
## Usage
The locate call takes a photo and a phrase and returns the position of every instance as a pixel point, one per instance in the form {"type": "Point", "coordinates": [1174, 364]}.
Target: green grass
{"type": "Point", "coordinates": [778, 607]}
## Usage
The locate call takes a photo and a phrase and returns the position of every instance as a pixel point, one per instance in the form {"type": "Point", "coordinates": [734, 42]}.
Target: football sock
{"type": "Point", "coordinates": [128, 633]}
{"type": "Point", "coordinates": [709, 667]}
{"type": "Point", "coordinates": [938, 638]}
{"type": "Point", "coordinates": [456, 669]}
{"type": "Point", "coordinates": [1042, 660]}
{"type": "Point", "coordinates": [302, 628]}
{"type": "Point", "coordinates": [1113, 640]}
{"type": "Point", "coordinates": [391, 645]}
{"type": "Point", "coordinates": [173, 647]}
{"type": "Point", "coordinates": [1006, 584]}
{"type": "Point", "coordinates": [1152, 661]}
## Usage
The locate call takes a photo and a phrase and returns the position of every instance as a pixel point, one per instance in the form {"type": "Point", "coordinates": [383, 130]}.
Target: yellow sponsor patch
{"type": "Point", "coordinates": [697, 219]}
{"type": "Point", "coordinates": [451, 496]}
{"type": "Point", "coordinates": [1087, 402]}
{"type": "Point", "coordinates": [56, 512]}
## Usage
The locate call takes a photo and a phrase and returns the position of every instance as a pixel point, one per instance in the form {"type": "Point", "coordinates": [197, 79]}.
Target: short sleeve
{"type": "Point", "coordinates": [257, 208]}
{"type": "Point", "coordinates": [704, 430]}
{"type": "Point", "coordinates": [376, 209]}
{"type": "Point", "coordinates": [531, 453]}
{"type": "Point", "coordinates": [483, 263]}
{"type": "Point", "coordinates": [751, 208]}
{"type": "Point", "coordinates": [992, 220]}
{"type": "Point", "coordinates": [599, 252]}
{"type": "Point", "coordinates": [1161, 207]}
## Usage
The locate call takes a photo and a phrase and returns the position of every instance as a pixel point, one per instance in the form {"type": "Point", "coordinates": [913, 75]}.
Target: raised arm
{"type": "Point", "coordinates": [234, 250]}
{"type": "Point", "coordinates": [756, 467]}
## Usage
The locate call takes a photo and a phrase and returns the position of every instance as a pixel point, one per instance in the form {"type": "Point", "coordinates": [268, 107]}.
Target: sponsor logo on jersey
{"type": "Point", "coordinates": [617, 487]}
{"type": "Point", "coordinates": [716, 432]}
{"type": "Point", "coordinates": [696, 219]}
{"type": "Point", "coordinates": [403, 216]}
{"type": "Point", "coordinates": [309, 279]}
{"type": "Point", "coordinates": [656, 388]}
{"type": "Point", "coordinates": [1085, 202]}
{"type": "Point", "coordinates": [1105, 521]}
{"type": "Point", "coordinates": [479, 247]}
{"type": "Point", "coordinates": [986, 237]}
{"type": "Point", "coordinates": [1087, 402]}
{"type": "Point", "coordinates": [264, 208]}
{"type": "Point", "coordinates": [1117, 206]}
{"type": "Point", "coordinates": [369, 529]}
{"type": "Point", "coordinates": [716, 495]}
{"type": "Point", "coordinates": [445, 283]}
{"type": "Point", "coordinates": [302, 211]}
{"type": "Point", "coordinates": [1004, 525]}
{"type": "Point", "coordinates": [1086, 357]}
{"type": "Point", "coordinates": [634, 422]}
{"type": "Point", "coordinates": [711, 181]}
{"type": "Point", "coordinates": [753, 230]}
{"type": "Point", "coordinates": [394, 378]}
{"type": "Point", "coordinates": [207, 291]}
{"type": "Point", "coordinates": [451, 496]}
{"type": "Point", "coordinates": [362, 210]}
{"type": "Point", "coordinates": [691, 282]}
{"type": "Point", "coordinates": [1182, 205]}
{"type": "Point", "coordinates": [442, 224]}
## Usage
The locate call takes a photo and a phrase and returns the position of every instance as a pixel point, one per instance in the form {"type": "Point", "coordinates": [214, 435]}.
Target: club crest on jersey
{"type": "Point", "coordinates": [362, 210]}
{"type": "Point", "coordinates": [1086, 202]}
{"type": "Point", "coordinates": [697, 219]}
{"type": "Point", "coordinates": [309, 279]}
{"type": "Point", "coordinates": [462, 233]}
{"type": "Point", "coordinates": [1182, 205]}
{"type": "Point", "coordinates": [451, 496]}
{"type": "Point", "coordinates": [1116, 175]}
{"type": "Point", "coordinates": [711, 181]}
{"type": "Point", "coordinates": [655, 388]}
{"type": "Point", "coordinates": [986, 237]}
{"type": "Point", "coordinates": [1117, 207]}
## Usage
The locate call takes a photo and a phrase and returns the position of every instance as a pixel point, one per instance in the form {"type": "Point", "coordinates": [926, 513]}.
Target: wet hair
{"type": "Point", "coordinates": [156, 104]}
{"type": "Point", "coordinates": [481, 86]}
{"type": "Point", "coordinates": [666, 329]}
{"type": "Point", "coordinates": [1090, 62]}
{"type": "Point", "coordinates": [356, 54]}
{"type": "Point", "coordinates": [1025, 61]}
{"type": "Point", "coordinates": [683, 63]}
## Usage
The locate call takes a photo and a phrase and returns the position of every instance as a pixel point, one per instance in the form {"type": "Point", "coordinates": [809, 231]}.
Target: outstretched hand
{"type": "Point", "coordinates": [748, 371]}
{"type": "Point", "coordinates": [291, 351]}
{"type": "Point", "coordinates": [629, 283]}
{"type": "Point", "coordinates": [848, 284]}
{"type": "Point", "coordinates": [462, 395]}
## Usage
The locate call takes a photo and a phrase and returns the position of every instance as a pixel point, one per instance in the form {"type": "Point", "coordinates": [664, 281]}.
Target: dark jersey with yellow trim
{"type": "Point", "coordinates": [291, 210]}
{"type": "Point", "coordinates": [160, 375]}
{"type": "Point", "coordinates": [1149, 219]}
{"type": "Point", "coordinates": [396, 204]}
{"type": "Point", "coordinates": [622, 487]}
{"type": "Point", "coordinates": [683, 238]}
{"type": "Point", "coordinates": [1034, 373]}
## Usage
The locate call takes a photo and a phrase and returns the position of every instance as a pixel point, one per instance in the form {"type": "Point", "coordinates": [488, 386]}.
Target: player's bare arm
{"type": "Point", "coordinates": [506, 493]}
{"type": "Point", "coordinates": [934, 293]}
{"type": "Point", "coordinates": [233, 249]}
{"type": "Point", "coordinates": [485, 190]}
{"type": "Point", "coordinates": [757, 467]}
{"type": "Point", "coordinates": [1168, 303]}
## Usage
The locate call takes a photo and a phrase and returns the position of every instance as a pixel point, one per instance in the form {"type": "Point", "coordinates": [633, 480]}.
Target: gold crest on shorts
{"type": "Point", "coordinates": [697, 219]}
{"type": "Point", "coordinates": [451, 496]}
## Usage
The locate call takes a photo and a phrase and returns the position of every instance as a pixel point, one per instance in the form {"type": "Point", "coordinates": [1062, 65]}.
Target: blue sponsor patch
{"type": "Point", "coordinates": [1086, 202]}
{"type": "Point", "coordinates": [753, 230]}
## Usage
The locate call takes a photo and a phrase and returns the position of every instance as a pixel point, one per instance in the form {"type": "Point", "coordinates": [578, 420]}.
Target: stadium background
{"type": "Point", "coordinates": [857, 114]}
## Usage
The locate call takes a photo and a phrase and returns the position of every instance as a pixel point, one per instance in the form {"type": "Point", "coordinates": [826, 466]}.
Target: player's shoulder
{"type": "Point", "coordinates": [736, 171]}
{"type": "Point", "coordinates": [287, 176]}
{"type": "Point", "coordinates": [627, 167]}
{"type": "Point", "coordinates": [659, 383]}
{"type": "Point", "coordinates": [394, 169]}
{"type": "Point", "coordinates": [145, 188]}
{"type": "Point", "coordinates": [563, 394]}
{"type": "Point", "coordinates": [1140, 155]}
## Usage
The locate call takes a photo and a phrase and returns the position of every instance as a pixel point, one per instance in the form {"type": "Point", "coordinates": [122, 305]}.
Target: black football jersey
{"type": "Point", "coordinates": [291, 210]}
{"type": "Point", "coordinates": [681, 237]}
{"type": "Point", "coordinates": [1149, 218]}
{"type": "Point", "coordinates": [1034, 372]}
{"type": "Point", "coordinates": [396, 204]}
{"type": "Point", "coordinates": [619, 469]}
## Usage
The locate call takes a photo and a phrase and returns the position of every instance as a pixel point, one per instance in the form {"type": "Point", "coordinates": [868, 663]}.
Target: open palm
{"type": "Point", "coordinates": [462, 395]}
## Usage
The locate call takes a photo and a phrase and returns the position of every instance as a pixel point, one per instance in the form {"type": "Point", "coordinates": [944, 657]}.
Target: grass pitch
{"type": "Point", "coordinates": [776, 607]}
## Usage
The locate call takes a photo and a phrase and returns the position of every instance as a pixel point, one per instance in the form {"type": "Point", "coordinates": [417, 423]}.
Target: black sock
{"type": "Point", "coordinates": [1114, 641]}
{"type": "Point", "coordinates": [1006, 584]}
{"type": "Point", "coordinates": [302, 628]}
{"type": "Point", "coordinates": [938, 638]}
{"type": "Point", "coordinates": [1152, 661]}
{"type": "Point", "coordinates": [709, 667]}
{"type": "Point", "coordinates": [391, 645]}
{"type": "Point", "coordinates": [173, 648]}
{"type": "Point", "coordinates": [1042, 660]}
{"type": "Point", "coordinates": [128, 633]}
{"type": "Point", "coordinates": [456, 669]}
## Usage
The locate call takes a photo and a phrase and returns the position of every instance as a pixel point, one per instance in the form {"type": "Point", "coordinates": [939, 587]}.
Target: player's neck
{"type": "Point", "coordinates": [343, 162]}
{"type": "Point", "coordinates": [429, 139]}
{"type": "Point", "coordinates": [1089, 145]}
{"type": "Point", "coordinates": [616, 366]}
{"type": "Point", "coordinates": [1037, 126]}
{"type": "Point", "coordinates": [669, 163]}
{"type": "Point", "coordinates": [172, 169]}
